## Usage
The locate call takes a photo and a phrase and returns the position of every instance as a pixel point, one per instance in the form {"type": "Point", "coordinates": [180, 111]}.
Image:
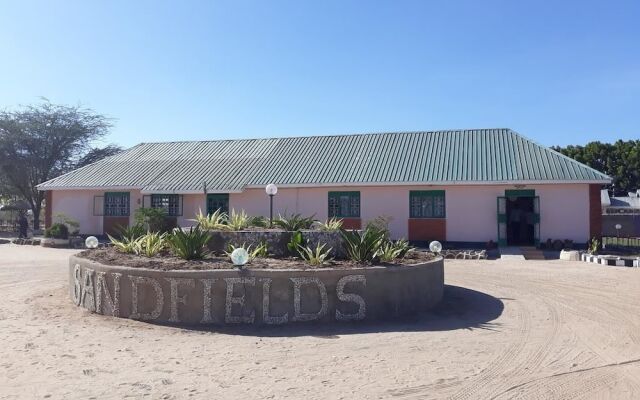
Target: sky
{"type": "Point", "coordinates": [558, 72]}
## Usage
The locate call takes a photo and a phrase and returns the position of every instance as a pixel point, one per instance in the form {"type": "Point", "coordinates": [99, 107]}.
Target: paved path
{"type": "Point", "coordinates": [528, 329]}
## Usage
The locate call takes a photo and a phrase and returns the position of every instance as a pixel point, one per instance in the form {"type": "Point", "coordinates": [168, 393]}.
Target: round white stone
{"type": "Point", "coordinates": [239, 256]}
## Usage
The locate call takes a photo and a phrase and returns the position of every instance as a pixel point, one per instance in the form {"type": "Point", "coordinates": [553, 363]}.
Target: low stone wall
{"type": "Point", "coordinates": [276, 240]}
{"type": "Point", "coordinates": [266, 296]}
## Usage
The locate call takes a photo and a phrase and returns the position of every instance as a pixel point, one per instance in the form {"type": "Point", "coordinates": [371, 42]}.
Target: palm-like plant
{"type": "Point", "coordinates": [317, 256]}
{"type": "Point", "coordinates": [238, 220]}
{"type": "Point", "coordinates": [363, 246]}
{"type": "Point", "coordinates": [294, 222]}
{"type": "Point", "coordinates": [390, 250]}
{"type": "Point", "coordinates": [150, 244]}
{"type": "Point", "coordinates": [216, 221]}
{"type": "Point", "coordinates": [331, 225]}
{"type": "Point", "coordinates": [189, 245]}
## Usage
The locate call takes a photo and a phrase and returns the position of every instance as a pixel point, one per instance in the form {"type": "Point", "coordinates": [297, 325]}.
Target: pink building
{"type": "Point", "coordinates": [454, 186]}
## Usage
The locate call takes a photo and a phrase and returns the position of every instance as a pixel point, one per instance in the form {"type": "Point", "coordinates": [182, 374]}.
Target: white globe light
{"type": "Point", "coordinates": [435, 247]}
{"type": "Point", "coordinates": [239, 256]}
{"type": "Point", "coordinates": [91, 242]}
{"type": "Point", "coordinates": [618, 226]}
{"type": "Point", "coordinates": [271, 189]}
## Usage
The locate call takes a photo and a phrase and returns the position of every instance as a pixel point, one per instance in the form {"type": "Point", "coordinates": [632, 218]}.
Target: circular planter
{"type": "Point", "coordinates": [260, 296]}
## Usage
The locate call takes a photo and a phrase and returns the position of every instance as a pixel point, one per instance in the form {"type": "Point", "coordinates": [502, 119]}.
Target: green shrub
{"type": "Point", "coordinates": [363, 246]}
{"type": "Point", "coordinates": [126, 244]}
{"type": "Point", "coordinates": [380, 223]}
{"type": "Point", "coordinates": [131, 232]}
{"type": "Point", "coordinates": [57, 231]}
{"type": "Point", "coordinates": [152, 219]}
{"type": "Point", "coordinates": [259, 221]}
{"type": "Point", "coordinates": [72, 225]}
{"type": "Point", "coordinates": [150, 244]}
{"type": "Point", "coordinates": [390, 251]}
{"type": "Point", "coordinates": [238, 221]}
{"type": "Point", "coordinates": [295, 243]}
{"type": "Point", "coordinates": [331, 225]}
{"type": "Point", "coordinates": [294, 222]}
{"type": "Point", "coordinates": [189, 245]}
{"type": "Point", "coordinates": [216, 221]}
{"type": "Point", "coordinates": [317, 256]}
{"type": "Point", "coordinates": [594, 246]}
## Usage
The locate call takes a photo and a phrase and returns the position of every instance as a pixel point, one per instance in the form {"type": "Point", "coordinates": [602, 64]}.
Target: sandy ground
{"type": "Point", "coordinates": [531, 330]}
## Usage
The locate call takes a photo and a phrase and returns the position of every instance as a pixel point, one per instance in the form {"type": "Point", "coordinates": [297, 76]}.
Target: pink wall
{"type": "Point", "coordinates": [471, 210]}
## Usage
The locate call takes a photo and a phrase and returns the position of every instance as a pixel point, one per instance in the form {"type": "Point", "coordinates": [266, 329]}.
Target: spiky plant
{"type": "Point", "coordinates": [189, 245]}
{"type": "Point", "coordinates": [317, 256]}
{"type": "Point", "coordinates": [331, 225]}
{"type": "Point", "coordinates": [216, 221]}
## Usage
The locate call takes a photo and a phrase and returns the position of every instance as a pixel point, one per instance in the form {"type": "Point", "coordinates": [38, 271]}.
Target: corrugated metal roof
{"type": "Point", "coordinates": [456, 156]}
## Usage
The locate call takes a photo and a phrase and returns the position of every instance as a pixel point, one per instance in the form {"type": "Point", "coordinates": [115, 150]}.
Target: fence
{"type": "Point", "coordinates": [622, 243]}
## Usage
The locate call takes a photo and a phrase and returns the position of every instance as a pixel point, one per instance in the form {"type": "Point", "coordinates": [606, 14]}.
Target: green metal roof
{"type": "Point", "coordinates": [438, 157]}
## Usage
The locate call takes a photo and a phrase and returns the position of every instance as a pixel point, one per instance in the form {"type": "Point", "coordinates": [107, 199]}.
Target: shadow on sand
{"type": "Point", "coordinates": [460, 308]}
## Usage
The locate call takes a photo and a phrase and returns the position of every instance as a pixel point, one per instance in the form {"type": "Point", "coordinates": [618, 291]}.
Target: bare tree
{"type": "Point", "coordinates": [40, 142]}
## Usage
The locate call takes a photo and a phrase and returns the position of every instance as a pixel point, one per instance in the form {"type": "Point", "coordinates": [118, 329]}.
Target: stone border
{"type": "Point", "coordinates": [610, 260]}
{"type": "Point", "coordinates": [260, 296]}
{"type": "Point", "coordinates": [465, 254]}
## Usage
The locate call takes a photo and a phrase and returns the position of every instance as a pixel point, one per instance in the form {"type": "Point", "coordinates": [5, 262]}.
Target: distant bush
{"type": "Point", "coordinates": [57, 231]}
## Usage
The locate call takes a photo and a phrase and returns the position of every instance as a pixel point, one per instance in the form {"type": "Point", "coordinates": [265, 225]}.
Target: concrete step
{"type": "Point", "coordinates": [532, 253]}
{"type": "Point", "coordinates": [511, 254]}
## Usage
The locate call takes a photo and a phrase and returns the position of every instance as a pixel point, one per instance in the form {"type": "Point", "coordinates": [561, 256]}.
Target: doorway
{"type": "Point", "coordinates": [519, 218]}
{"type": "Point", "coordinates": [520, 221]}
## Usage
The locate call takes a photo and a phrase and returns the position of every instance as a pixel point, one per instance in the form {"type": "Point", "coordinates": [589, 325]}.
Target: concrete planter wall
{"type": "Point", "coordinates": [267, 296]}
{"type": "Point", "coordinates": [276, 240]}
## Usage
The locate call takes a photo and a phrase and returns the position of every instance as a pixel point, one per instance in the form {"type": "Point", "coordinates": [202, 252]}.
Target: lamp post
{"type": "Point", "coordinates": [271, 190]}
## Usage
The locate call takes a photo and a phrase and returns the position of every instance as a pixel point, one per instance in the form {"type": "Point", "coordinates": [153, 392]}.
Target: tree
{"type": "Point", "coordinates": [619, 160]}
{"type": "Point", "coordinates": [40, 142]}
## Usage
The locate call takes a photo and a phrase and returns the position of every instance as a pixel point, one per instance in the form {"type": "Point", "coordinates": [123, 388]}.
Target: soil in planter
{"type": "Point", "coordinates": [166, 261]}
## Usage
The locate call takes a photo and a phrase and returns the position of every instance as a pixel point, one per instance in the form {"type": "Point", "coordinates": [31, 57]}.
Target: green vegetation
{"type": "Point", "coordinates": [72, 225]}
{"type": "Point", "coordinates": [294, 222]}
{"type": "Point", "coordinates": [390, 250]}
{"type": "Point", "coordinates": [57, 231]}
{"type": "Point", "coordinates": [619, 160]}
{"type": "Point", "coordinates": [295, 243]}
{"type": "Point", "coordinates": [132, 232]}
{"type": "Point", "coordinates": [594, 246]}
{"type": "Point", "coordinates": [216, 221]}
{"type": "Point", "coordinates": [317, 256]}
{"type": "Point", "coordinates": [152, 219]}
{"type": "Point", "coordinates": [151, 244]}
{"type": "Point", "coordinates": [363, 246]}
{"type": "Point", "coordinates": [238, 221]}
{"type": "Point", "coordinates": [331, 225]}
{"type": "Point", "coordinates": [189, 245]}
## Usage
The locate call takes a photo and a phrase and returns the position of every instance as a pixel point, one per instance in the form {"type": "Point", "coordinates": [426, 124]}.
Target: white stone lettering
{"type": "Point", "coordinates": [207, 316]}
{"type": "Point", "coordinates": [297, 306]}
{"type": "Point", "coordinates": [175, 299]}
{"type": "Point", "coordinates": [268, 319]}
{"type": "Point", "coordinates": [239, 300]}
{"type": "Point", "coordinates": [88, 296]}
{"type": "Point", "coordinates": [77, 287]}
{"type": "Point", "coordinates": [351, 298]}
{"type": "Point", "coordinates": [110, 303]}
{"type": "Point", "coordinates": [157, 310]}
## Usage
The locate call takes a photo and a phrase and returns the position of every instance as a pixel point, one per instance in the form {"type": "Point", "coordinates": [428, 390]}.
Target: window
{"type": "Point", "coordinates": [217, 202]}
{"type": "Point", "coordinates": [344, 204]}
{"type": "Point", "coordinates": [427, 204]}
{"type": "Point", "coordinates": [169, 202]}
{"type": "Point", "coordinates": [116, 204]}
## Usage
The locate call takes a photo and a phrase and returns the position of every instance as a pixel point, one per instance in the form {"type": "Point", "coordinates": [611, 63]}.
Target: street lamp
{"type": "Point", "coordinates": [271, 190]}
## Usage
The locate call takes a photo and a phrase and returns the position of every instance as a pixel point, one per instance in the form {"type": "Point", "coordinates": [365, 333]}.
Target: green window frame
{"type": "Point", "coordinates": [116, 204]}
{"type": "Point", "coordinates": [217, 201]}
{"type": "Point", "coordinates": [427, 204]}
{"type": "Point", "coordinates": [169, 202]}
{"type": "Point", "coordinates": [344, 204]}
